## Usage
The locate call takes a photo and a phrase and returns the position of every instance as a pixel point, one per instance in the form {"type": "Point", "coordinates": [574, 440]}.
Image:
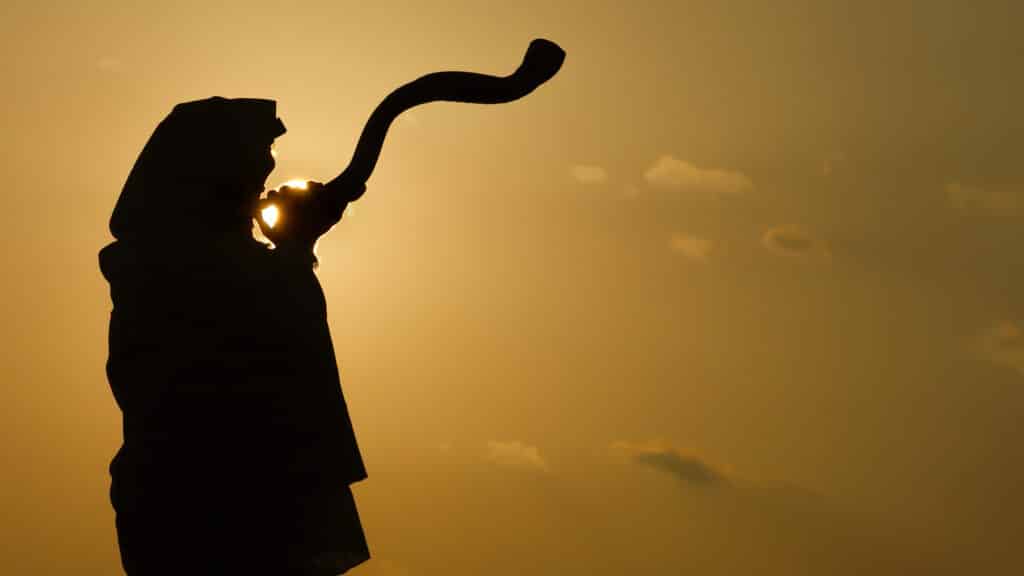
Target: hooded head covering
{"type": "Point", "coordinates": [195, 170]}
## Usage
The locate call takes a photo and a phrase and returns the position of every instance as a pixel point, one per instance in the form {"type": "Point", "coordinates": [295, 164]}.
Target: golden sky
{"type": "Point", "coordinates": [739, 290]}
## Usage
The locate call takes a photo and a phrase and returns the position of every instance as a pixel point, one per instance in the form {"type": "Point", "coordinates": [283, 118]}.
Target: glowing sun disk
{"type": "Point", "coordinates": [270, 215]}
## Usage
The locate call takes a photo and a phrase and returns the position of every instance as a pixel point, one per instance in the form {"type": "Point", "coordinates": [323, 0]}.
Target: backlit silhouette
{"type": "Point", "coordinates": [238, 450]}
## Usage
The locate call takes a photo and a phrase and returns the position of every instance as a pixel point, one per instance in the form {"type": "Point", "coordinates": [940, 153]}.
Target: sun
{"type": "Point", "coordinates": [270, 215]}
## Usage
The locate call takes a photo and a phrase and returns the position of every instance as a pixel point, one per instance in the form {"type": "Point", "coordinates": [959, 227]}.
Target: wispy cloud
{"type": "Point", "coordinates": [787, 240]}
{"type": "Point", "coordinates": [792, 241]}
{"type": "Point", "coordinates": [674, 174]}
{"type": "Point", "coordinates": [983, 201]}
{"type": "Point", "coordinates": [1003, 344]}
{"type": "Point", "coordinates": [588, 174]}
{"type": "Point", "coordinates": [685, 467]}
{"type": "Point", "coordinates": [692, 247]}
{"type": "Point", "coordinates": [515, 454]}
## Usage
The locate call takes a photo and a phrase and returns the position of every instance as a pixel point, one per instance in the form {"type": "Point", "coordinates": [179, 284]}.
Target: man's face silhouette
{"type": "Point", "coordinates": [256, 164]}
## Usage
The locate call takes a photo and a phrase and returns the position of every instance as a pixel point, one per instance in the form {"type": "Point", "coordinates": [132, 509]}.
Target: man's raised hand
{"type": "Point", "coordinates": [304, 214]}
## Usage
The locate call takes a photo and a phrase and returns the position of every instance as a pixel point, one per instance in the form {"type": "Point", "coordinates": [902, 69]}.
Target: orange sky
{"type": "Point", "coordinates": [739, 290]}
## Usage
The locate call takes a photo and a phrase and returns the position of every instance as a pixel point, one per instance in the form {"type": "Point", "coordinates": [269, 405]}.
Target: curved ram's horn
{"type": "Point", "coordinates": [542, 60]}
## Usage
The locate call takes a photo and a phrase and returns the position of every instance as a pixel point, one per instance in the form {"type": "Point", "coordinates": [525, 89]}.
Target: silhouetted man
{"type": "Point", "coordinates": [238, 450]}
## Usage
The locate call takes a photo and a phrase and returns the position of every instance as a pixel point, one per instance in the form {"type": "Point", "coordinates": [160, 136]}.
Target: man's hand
{"type": "Point", "coordinates": [304, 214]}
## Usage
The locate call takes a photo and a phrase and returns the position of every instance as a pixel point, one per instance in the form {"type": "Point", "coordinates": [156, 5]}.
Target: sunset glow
{"type": "Point", "coordinates": [738, 291]}
{"type": "Point", "coordinates": [270, 215]}
{"type": "Point", "coordinates": [297, 183]}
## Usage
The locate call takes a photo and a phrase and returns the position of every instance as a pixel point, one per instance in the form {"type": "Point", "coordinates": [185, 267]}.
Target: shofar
{"type": "Point", "coordinates": [542, 61]}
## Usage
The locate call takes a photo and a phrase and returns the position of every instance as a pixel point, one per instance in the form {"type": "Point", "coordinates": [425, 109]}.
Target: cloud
{"type": "Point", "coordinates": [515, 455]}
{"type": "Point", "coordinates": [974, 200]}
{"type": "Point", "coordinates": [1003, 345]}
{"type": "Point", "coordinates": [692, 247]}
{"type": "Point", "coordinates": [787, 240]}
{"type": "Point", "coordinates": [793, 241]}
{"type": "Point", "coordinates": [687, 468]}
{"type": "Point", "coordinates": [674, 174]}
{"type": "Point", "coordinates": [586, 174]}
